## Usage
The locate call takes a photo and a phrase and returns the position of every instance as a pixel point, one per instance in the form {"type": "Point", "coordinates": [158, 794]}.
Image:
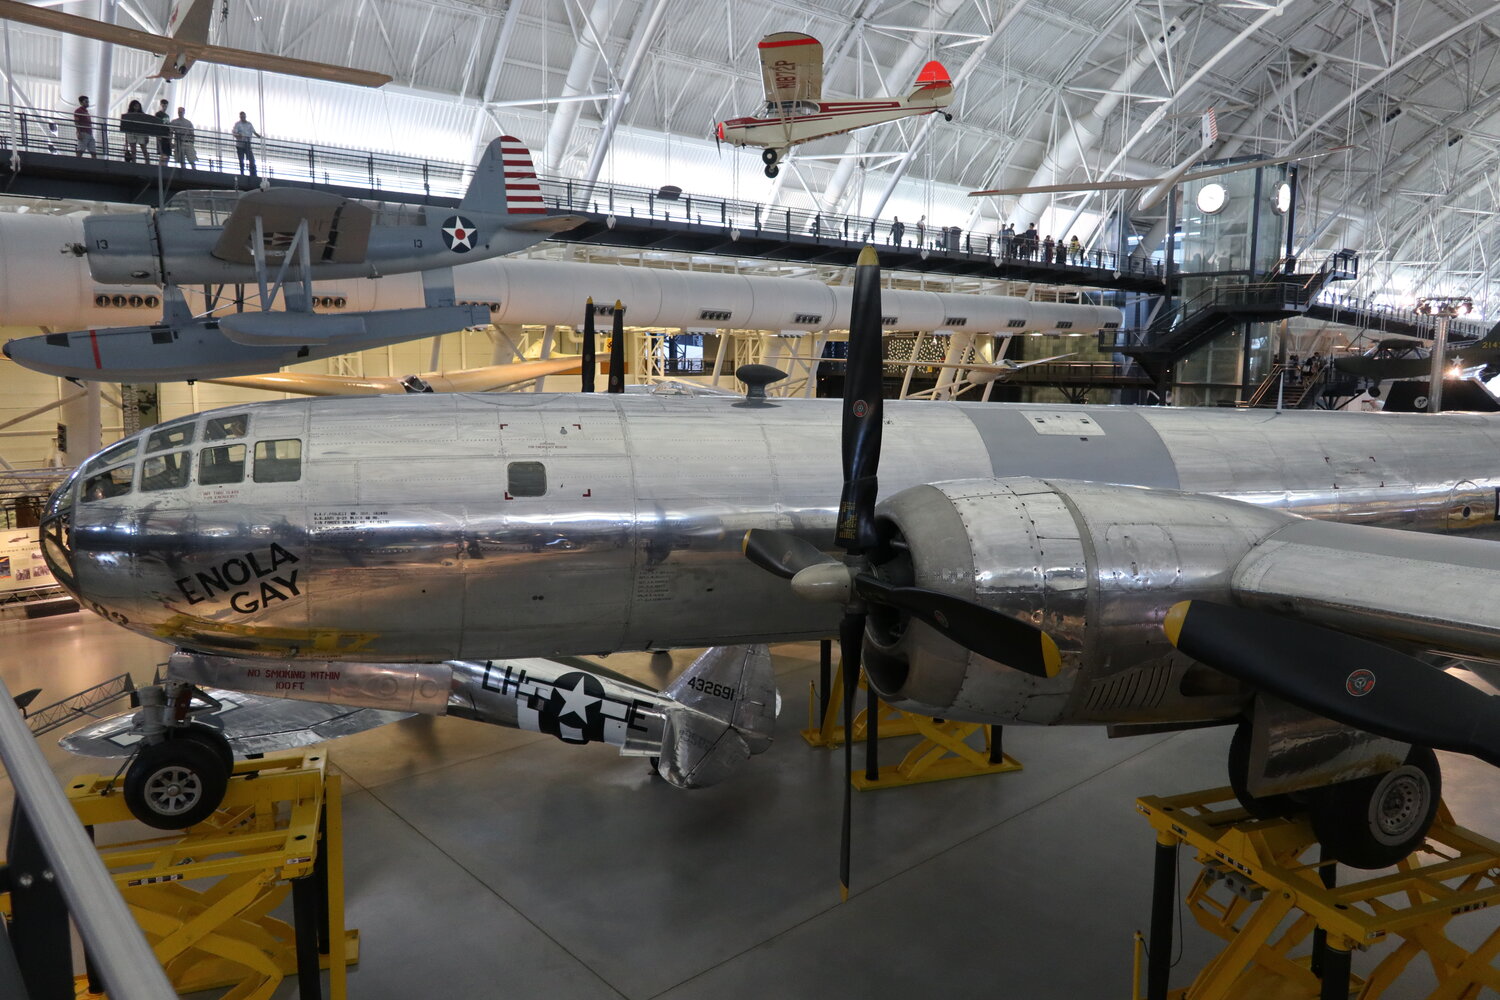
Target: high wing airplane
{"type": "Point", "coordinates": [1396, 358]}
{"type": "Point", "coordinates": [485, 379]}
{"type": "Point", "coordinates": [791, 66]}
{"type": "Point", "coordinates": [214, 238]}
{"type": "Point", "coordinates": [1141, 568]}
{"type": "Point", "coordinates": [186, 41]}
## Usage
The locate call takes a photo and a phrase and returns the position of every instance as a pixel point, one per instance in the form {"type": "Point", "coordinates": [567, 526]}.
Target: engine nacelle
{"type": "Point", "coordinates": [1096, 566]}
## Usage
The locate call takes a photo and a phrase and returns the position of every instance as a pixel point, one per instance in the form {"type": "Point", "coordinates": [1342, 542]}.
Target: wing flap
{"type": "Point", "coordinates": [338, 228]}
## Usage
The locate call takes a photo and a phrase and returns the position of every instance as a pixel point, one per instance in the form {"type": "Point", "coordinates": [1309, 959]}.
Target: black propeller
{"type": "Point", "coordinates": [1355, 681]}
{"type": "Point", "coordinates": [589, 359]}
{"type": "Point", "coordinates": [815, 575]}
{"type": "Point", "coordinates": [617, 352]}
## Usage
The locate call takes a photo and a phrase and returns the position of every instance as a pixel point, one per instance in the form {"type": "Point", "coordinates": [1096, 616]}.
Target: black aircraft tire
{"type": "Point", "coordinates": [1374, 822]}
{"type": "Point", "coordinates": [768, 156]}
{"type": "Point", "coordinates": [1267, 807]}
{"type": "Point", "coordinates": [772, 170]}
{"type": "Point", "coordinates": [175, 784]}
{"type": "Point", "coordinates": [210, 737]}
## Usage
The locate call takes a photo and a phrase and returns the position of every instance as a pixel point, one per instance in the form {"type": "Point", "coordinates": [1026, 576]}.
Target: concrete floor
{"type": "Point", "coordinates": [484, 861]}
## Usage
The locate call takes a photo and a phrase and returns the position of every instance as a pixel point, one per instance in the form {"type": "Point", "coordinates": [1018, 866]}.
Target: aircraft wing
{"type": "Point", "coordinates": [791, 66]}
{"type": "Point", "coordinates": [977, 366]}
{"type": "Point", "coordinates": [72, 24]}
{"type": "Point", "coordinates": [1384, 368]}
{"type": "Point", "coordinates": [189, 21]}
{"type": "Point", "coordinates": [338, 228]}
{"type": "Point", "coordinates": [252, 723]}
{"type": "Point", "coordinates": [467, 380]}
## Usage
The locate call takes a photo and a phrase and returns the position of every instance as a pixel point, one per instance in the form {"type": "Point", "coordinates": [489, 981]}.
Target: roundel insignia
{"type": "Point", "coordinates": [574, 713]}
{"type": "Point", "coordinates": [1360, 683]}
{"type": "Point", "coordinates": [458, 234]}
{"type": "Point", "coordinates": [860, 408]}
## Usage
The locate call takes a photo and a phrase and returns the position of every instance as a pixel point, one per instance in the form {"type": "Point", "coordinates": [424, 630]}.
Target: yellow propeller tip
{"type": "Point", "coordinates": [843, 894]}
{"type": "Point", "coordinates": [1051, 656]}
{"type": "Point", "coordinates": [619, 305]}
{"type": "Point", "coordinates": [1176, 616]}
{"type": "Point", "coordinates": [591, 300]}
{"type": "Point", "coordinates": [867, 257]}
{"type": "Point", "coordinates": [745, 542]}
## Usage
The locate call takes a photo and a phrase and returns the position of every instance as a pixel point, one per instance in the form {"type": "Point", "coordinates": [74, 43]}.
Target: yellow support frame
{"type": "Point", "coordinates": [267, 832]}
{"type": "Point", "coordinates": [942, 754]}
{"type": "Point", "coordinates": [1456, 872]}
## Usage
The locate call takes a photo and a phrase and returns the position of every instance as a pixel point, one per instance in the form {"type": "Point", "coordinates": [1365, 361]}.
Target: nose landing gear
{"type": "Point", "coordinates": [178, 776]}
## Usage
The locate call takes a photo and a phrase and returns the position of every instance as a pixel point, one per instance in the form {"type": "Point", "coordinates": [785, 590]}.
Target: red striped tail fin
{"type": "Point", "coordinates": [505, 181]}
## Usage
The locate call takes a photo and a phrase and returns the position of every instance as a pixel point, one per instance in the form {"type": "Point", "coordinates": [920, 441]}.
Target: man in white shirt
{"type": "Point", "coordinates": [243, 132]}
{"type": "Point", "coordinates": [182, 140]}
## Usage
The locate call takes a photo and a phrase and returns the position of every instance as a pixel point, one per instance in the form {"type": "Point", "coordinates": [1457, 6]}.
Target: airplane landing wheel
{"type": "Point", "coordinates": [772, 170]}
{"type": "Point", "coordinates": [1266, 807]}
{"type": "Point", "coordinates": [768, 156]}
{"type": "Point", "coordinates": [1374, 822]}
{"type": "Point", "coordinates": [947, 117]}
{"type": "Point", "coordinates": [207, 736]}
{"type": "Point", "coordinates": [175, 784]}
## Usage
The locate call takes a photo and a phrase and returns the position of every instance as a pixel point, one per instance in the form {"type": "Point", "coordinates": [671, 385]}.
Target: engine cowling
{"type": "Point", "coordinates": [1096, 566]}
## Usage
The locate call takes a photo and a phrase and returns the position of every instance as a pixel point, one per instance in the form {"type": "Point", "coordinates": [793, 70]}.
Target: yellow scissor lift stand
{"type": "Point", "coordinates": [1257, 893]}
{"type": "Point", "coordinates": [279, 815]}
{"type": "Point", "coordinates": [942, 753]}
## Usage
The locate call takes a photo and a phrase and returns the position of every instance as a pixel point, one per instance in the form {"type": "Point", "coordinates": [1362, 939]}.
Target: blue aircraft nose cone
{"type": "Point", "coordinates": [6, 349]}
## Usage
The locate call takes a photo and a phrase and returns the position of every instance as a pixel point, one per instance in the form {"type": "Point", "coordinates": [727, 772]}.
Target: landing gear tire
{"type": "Point", "coordinates": [1267, 807]}
{"type": "Point", "coordinates": [772, 170]}
{"type": "Point", "coordinates": [947, 117]}
{"type": "Point", "coordinates": [207, 736]}
{"type": "Point", "coordinates": [1374, 822]}
{"type": "Point", "coordinates": [175, 784]}
{"type": "Point", "coordinates": [768, 156]}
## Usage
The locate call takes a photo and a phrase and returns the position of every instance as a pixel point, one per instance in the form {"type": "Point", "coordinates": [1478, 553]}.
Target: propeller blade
{"type": "Point", "coordinates": [1342, 677]}
{"type": "Point", "coordinates": [862, 410]}
{"type": "Point", "coordinates": [989, 633]}
{"type": "Point", "coordinates": [851, 644]}
{"type": "Point", "coordinates": [590, 359]}
{"type": "Point", "coordinates": [780, 553]}
{"type": "Point", "coordinates": [617, 351]}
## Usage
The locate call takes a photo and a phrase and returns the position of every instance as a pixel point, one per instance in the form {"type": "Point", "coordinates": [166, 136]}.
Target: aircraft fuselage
{"type": "Point", "coordinates": [431, 527]}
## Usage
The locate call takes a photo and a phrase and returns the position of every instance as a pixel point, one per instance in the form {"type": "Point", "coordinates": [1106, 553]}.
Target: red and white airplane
{"type": "Point", "coordinates": [791, 64]}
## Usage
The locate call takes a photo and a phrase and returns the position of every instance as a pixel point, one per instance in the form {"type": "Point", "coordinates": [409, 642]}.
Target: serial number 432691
{"type": "Point", "coordinates": [713, 688]}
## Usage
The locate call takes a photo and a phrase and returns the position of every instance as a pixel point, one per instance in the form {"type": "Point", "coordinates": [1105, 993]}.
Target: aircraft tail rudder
{"type": "Point", "coordinates": [726, 705]}
{"type": "Point", "coordinates": [505, 182]}
{"type": "Point", "coordinates": [933, 81]}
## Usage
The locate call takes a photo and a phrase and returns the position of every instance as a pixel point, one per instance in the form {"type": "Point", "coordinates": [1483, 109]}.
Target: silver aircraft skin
{"type": "Point", "coordinates": [424, 528]}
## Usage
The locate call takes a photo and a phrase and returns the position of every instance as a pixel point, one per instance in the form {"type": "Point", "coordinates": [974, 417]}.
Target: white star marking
{"type": "Point", "coordinates": [461, 235]}
{"type": "Point", "coordinates": [577, 701]}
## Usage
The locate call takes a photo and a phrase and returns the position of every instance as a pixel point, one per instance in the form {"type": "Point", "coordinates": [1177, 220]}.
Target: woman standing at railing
{"type": "Point", "coordinates": [136, 126]}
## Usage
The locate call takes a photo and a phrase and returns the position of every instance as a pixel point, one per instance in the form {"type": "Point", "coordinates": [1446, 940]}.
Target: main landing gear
{"type": "Point", "coordinates": [1367, 823]}
{"type": "Point", "coordinates": [181, 769]}
{"type": "Point", "coordinates": [769, 158]}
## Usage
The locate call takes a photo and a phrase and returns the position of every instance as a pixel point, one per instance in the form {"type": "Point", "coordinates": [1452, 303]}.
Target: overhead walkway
{"type": "Point", "coordinates": [36, 159]}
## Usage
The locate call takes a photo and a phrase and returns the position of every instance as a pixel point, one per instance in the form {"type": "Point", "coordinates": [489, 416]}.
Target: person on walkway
{"type": "Point", "coordinates": [1075, 248]}
{"type": "Point", "coordinates": [83, 124]}
{"type": "Point", "coordinates": [898, 230]}
{"type": "Point", "coordinates": [183, 140]}
{"type": "Point", "coordinates": [1030, 238]}
{"type": "Point", "coordinates": [922, 232]}
{"type": "Point", "coordinates": [1047, 249]}
{"type": "Point", "coordinates": [164, 137]}
{"type": "Point", "coordinates": [243, 132]}
{"type": "Point", "coordinates": [136, 126]}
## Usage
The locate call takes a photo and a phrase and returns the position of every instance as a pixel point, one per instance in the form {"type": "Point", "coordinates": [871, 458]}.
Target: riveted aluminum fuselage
{"type": "Point", "coordinates": [406, 539]}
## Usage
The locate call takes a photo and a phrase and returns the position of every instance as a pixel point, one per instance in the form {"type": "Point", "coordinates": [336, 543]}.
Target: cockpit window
{"type": "Point", "coordinates": [233, 426]}
{"type": "Point", "coordinates": [165, 472]}
{"type": "Point", "coordinates": [121, 452]}
{"type": "Point", "coordinates": [114, 483]}
{"type": "Point", "coordinates": [221, 465]}
{"type": "Point", "coordinates": [170, 436]}
{"type": "Point", "coordinates": [278, 461]}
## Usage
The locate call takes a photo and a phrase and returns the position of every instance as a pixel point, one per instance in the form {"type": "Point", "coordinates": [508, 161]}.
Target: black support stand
{"type": "Point", "coordinates": [1163, 899]}
{"type": "Point", "coordinates": [1335, 974]}
{"type": "Point", "coordinates": [305, 913]}
{"type": "Point", "coordinates": [39, 916]}
{"type": "Point", "coordinates": [825, 676]}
